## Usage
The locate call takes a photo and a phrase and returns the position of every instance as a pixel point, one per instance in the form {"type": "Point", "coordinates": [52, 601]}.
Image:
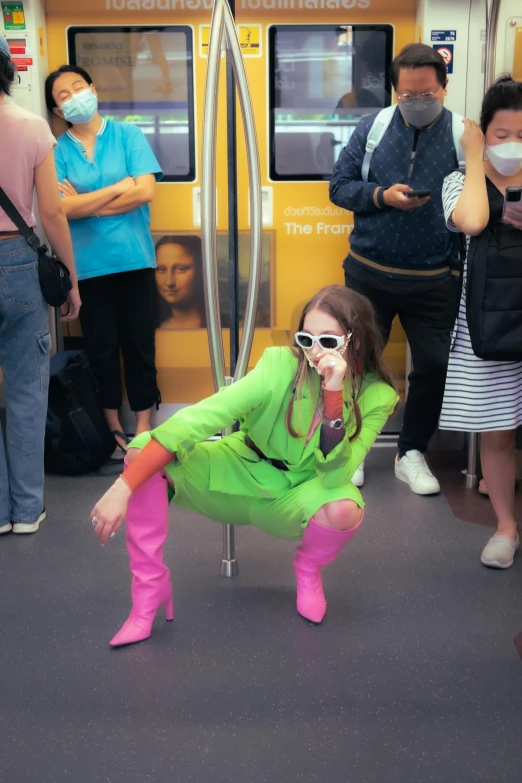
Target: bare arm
{"type": "Point", "coordinates": [471, 214]}
{"type": "Point", "coordinates": [56, 227]}
{"type": "Point", "coordinates": [52, 213]}
{"type": "Point", "coordinates": [141, 194]}
{"type": "Point", "coordinates": [83, 205]}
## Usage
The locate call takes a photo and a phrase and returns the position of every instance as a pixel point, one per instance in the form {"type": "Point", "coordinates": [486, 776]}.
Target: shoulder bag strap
{"type": "Point", "coordinates": [14, 215]}
{"type": "Point", "coordinates": [380, 126]}
{"type": "Point", "coordinates": [457, 129]}
{"type": "Point", "coordinates": [79, 418]}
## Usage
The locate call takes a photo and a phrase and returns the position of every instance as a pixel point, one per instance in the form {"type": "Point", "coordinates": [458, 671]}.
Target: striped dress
{"type": "Point", "coordinates": [480, 395]}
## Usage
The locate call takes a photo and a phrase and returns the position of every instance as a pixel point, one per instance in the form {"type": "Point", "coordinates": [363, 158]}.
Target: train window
{"type": "Point", "coordinates": [144, 75]}
{"type": "Point", "coordinates": [323, 79]}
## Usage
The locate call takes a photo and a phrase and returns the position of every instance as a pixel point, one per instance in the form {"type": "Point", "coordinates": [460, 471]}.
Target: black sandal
{"type": "Point", "coordinates": [116, 457]}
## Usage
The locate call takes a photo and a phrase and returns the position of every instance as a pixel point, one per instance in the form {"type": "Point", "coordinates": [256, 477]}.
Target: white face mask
{"type": "Point", "coordinates": [506, 158]}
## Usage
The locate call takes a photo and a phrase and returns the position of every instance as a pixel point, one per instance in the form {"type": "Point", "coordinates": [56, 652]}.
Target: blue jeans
{"type": "Point", "coordinates": [25, 345]}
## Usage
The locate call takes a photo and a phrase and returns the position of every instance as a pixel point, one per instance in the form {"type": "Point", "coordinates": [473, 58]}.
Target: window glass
{"type": "Point", "coordinates": [144, 75]}
{"type": "Point", "coordinates": [323, 79]}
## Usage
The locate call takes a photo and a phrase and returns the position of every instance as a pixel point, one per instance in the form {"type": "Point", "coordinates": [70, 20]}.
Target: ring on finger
{"type": "Point", "coordinates": [94, 521]}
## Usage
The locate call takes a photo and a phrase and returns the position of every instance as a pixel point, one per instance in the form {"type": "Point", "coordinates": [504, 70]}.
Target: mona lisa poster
{"type": "Point", "coordinates": [180, 300]}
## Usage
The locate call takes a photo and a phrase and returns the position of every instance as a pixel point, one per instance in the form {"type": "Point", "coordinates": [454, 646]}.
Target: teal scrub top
{"type": "Point", "coordinates": [120, 243]}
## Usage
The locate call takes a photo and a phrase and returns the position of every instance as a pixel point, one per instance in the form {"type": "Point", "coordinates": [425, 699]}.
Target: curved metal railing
{"type": "Point", "coordinates": [223, 28]}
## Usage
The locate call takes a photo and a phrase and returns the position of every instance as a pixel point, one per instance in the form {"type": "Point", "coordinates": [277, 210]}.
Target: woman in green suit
{"type": "Point", "coordinates": [308, 416]}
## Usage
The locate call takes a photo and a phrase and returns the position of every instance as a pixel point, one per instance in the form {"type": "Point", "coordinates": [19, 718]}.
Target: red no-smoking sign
{"type": "Point", "coordinates": [446, 52]}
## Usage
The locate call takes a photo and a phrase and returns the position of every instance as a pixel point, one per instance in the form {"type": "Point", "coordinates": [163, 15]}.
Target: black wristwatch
{"type": "Point", "coordinates": [336, 424]}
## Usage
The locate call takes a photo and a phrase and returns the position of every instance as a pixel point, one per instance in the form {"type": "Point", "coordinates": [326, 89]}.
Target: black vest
{"type": "Point", "coordinates": [494, 286]}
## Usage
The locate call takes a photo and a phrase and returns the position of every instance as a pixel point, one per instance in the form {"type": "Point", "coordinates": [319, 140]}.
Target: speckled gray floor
{"type": "Point", "coordinates": [414, 675]}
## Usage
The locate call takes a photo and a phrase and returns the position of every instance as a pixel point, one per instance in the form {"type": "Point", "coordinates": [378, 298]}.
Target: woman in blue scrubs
{"type": "Point", "coordinates": [107, 176]}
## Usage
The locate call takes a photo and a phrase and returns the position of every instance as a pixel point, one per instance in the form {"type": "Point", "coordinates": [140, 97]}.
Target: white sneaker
{"type": "Point", "coordinates": [413, 470]}
{"type": "Point", "coordinates": [6, 528]}
{"type": "Point", "coordinates": [22, 528]}
{"type": "Point", "coordinates": [499, 552]}
{"type": "Point", "coordinates": [358, 476]}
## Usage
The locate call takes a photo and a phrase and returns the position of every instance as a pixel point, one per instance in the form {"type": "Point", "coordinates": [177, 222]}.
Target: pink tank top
{"type": "Point", "coordinates": [26, 139]}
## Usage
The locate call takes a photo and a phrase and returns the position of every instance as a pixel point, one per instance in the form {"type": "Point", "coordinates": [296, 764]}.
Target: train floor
{"type": "Point", "coordinates": [414, 675]}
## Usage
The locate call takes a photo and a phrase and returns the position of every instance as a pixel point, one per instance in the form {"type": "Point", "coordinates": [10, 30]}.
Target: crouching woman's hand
{"type": "Point", "coordinates": [109, 512]}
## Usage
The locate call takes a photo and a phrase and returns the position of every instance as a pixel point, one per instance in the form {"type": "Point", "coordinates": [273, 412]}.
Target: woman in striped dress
{"type": "Point", "coordinates": [486, 396]}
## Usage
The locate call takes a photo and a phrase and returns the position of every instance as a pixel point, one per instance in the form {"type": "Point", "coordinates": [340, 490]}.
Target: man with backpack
{"type": "Point", "coordinates": [401, 256]}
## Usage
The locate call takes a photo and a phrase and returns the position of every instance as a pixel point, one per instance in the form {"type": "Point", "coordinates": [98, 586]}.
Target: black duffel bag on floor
{"type": "Point", "coordinates": [77, 437]}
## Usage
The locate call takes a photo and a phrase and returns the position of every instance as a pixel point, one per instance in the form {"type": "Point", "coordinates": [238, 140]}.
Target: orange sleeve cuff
{"type": "Point", "coordinates": [333, 404]}
{"type": "Point", "coordinates": [152, 459]}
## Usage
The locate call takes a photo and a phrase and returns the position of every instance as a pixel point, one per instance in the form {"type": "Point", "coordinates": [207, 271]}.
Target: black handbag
{"type": "Point", "coordinates": [55, 278]}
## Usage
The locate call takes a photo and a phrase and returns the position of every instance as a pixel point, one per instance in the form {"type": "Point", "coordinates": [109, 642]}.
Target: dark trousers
{"type": "Point", "coordinates": [118, 313]}
{"type": "Point", "coordinates": [427, 318]}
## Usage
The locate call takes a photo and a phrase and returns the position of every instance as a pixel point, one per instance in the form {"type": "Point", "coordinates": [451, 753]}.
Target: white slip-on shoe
{"type": "Point", "coordinates": [413, 470]}
{"type": "Point", "coordinates": [5, 528]}
{"type": "Point", "coordinates": [499, 552]}
{"type": "Point", "coordinates": [358, 476]}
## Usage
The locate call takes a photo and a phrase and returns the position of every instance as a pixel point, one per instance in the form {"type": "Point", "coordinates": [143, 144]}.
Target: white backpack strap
{"type": "Point", "coordinates": [380, 125]}
{"type": "Point", "coordinates": [457, 129]}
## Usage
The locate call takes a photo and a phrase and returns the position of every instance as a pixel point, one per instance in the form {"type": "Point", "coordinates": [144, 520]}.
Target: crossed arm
{"type": "Point", "coordinates": [116, 199]}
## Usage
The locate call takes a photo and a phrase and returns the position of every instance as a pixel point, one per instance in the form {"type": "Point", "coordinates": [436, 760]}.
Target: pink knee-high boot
{"type": "Point", "coordinates": [319, 547]}
{"type": "Point", "coordinates": [146, 526]}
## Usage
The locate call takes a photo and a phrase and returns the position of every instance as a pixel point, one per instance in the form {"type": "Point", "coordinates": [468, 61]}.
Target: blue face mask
{"type": "Point", "coordinates": [80, 108]}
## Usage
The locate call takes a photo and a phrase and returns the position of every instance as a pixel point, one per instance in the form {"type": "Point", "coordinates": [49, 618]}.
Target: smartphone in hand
{"type": "Point", "coordinates": [417, 193]}
{"type": "Point", "coordinates": [512, 212]}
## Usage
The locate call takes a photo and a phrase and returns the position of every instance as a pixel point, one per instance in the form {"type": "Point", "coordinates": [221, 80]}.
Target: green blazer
{"type": "Point", "coordinates": [259, 402]}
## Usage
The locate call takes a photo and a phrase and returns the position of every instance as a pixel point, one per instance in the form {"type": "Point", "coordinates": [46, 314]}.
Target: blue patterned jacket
{"type": "Point", "coordinates": [394, 243]}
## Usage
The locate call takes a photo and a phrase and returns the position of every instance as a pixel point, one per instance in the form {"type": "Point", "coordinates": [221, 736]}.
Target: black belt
{"type": "Point", "coordinates": [10, 234]}
{"type": "Point", "coordinates": [277, 463]}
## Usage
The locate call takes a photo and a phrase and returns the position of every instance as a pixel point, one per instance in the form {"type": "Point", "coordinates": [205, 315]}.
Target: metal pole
{"type": "Point", "coordinates": [239, 355]}
{"type": "Point", "coordinates": [223, 23]}
{"type": "Point", "coordinates": [55, 331]}
{"type": "Point", "coordinates": [222, 18]}
{"type": "Point", "coordinates": [471, 472]}
{"type": "Point", "coordinates": [492, 14]}
{"type": "Point", "coordinates": [208, 231]}
{"type": "Point", "coordinates": [255, 195]}
{"type": "Point", "coordinates": [208, 198]}
{"type": "Point", "coordinates": [408, 369]}
{"type": "Point", "coordinates": [233, 231]}
{"type": "Point", "coordinates": [229, 564]}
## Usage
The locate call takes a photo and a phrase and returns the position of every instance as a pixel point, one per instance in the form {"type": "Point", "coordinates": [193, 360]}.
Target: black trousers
{"type": "Point", "coordinates": [427, 318]}
{"type": "Point", "coordinates": [118, 313]}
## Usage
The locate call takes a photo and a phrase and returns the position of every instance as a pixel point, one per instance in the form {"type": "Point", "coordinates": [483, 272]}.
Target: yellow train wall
{"type": "Point", "coordinates": [303, 262]}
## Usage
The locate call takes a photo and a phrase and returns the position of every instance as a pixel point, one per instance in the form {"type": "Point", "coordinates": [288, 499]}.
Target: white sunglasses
{"type": "Point", "coordinates": [328, 342]}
